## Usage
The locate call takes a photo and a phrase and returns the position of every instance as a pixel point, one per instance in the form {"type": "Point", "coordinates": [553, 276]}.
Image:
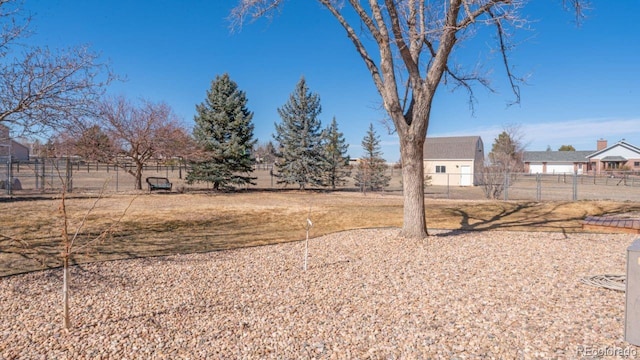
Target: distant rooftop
{"type": "Point", "coordinates": [452, 148]}
{"type": "Point", "coordinates": [557, 156]}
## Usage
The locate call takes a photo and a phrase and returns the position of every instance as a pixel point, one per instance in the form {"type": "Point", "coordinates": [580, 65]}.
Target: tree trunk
{"type": "Point", "coordinates": [65, 293]}
{"type": "Point", "coordinates": [414, 222]}
{"type": "Point", "coordinates": [139, 176]}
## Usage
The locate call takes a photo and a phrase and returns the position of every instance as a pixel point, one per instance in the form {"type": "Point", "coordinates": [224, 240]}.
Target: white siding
{"type": "Point", "coordinates": [453, 174]}
{"type": "Point", "coordinates": [617, 151]}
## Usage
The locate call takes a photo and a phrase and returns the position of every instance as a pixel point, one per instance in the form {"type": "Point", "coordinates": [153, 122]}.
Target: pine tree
{"type": "Point", "coordinates": [300, 153]}
{"type": "Point", "coordinates": [371, 174]}
{"type": "Point", "coordinates": [507, 150]}
{"type": "Point", "coordinates": [225, 134]}
{"type": "Point", "coordinates": [337, 169]}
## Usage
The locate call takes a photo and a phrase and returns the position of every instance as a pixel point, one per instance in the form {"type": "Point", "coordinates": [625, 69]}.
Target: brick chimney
{"type": "Point", "coordinates": [602, 144]}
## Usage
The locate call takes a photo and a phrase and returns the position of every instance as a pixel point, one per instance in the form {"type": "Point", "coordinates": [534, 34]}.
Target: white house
{"type": "Point", "coordinates": [619, 156]}
{"type": "Point", "coordinates": [454, 161]}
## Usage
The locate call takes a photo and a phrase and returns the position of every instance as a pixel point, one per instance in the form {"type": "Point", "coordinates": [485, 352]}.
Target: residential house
{"type": "Point", "coordinates": [8, 146]}
{"type": "Point", "coordinates": [619, 156]}
{"type": "Point", "coordinates": [454, 161]}
{"type": "Point", "coordinates": [556, 162]}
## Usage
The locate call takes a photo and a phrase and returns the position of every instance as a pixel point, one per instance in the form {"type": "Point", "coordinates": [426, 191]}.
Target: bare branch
{"type": "Point", "coordinates": [464, 81]}
{"type": "Point", "coordinates": [46, 90]}
{"type": "Point", "coordinates": [11, 26]}
{"type": "Point", "coordinates": [252, 9]}
{"type": "Point", "coordinates": [360, 48]}
{"type": "Point", "coordinates": [407, 30]}
{"type": "Point", "coordinates": [579, 8]}
{"type": "Point", "coordinates": [86, 214]}
{"type": "Point", "coordinates": [410, 61]}
{"type": "Point", "coordinates": [109, 231]}
{"type": "Point", "coordinates": [139, 133]}
{"type": "Point", "coordinates": [505, 58]}
{"type": "Point", "coordinates": [40, 88]}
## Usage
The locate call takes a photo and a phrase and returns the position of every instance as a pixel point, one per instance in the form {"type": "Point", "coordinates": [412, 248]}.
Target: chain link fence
{"type": "Point", "coordinates": [48, 175]}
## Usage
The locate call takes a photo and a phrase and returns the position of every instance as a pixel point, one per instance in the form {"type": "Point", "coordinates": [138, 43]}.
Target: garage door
{"type": "Point", "coordinates": [560, 169]}
{"type": "Point", "coordinates": [535, 169]}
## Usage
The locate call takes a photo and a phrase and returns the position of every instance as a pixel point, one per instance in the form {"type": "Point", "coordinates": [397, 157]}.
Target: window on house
{"type": "Point", "coordinates": [636, 164]}
{"type": "Point", "coordinates": [441, 169]}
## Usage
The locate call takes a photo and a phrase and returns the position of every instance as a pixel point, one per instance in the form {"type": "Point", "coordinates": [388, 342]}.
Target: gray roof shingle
{"type": "Point", "coordinates": [452, 148]}
{"type": "Point", "coordinates": [557, 156]}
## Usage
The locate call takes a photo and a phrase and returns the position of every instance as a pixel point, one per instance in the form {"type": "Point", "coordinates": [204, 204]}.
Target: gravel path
{"type": "Point", "coordinates": [368, 294]}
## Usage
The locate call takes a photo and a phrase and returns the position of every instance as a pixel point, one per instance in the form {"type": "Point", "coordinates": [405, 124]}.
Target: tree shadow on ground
{"type": "Point", "coordinates": [522, 216]}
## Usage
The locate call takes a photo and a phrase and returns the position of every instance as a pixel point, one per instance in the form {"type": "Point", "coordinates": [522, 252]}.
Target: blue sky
{"type": "Point", "coordinates": [583, 82]}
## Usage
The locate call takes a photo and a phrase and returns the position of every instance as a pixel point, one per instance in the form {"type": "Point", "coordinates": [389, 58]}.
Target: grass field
{"type": "Point", "coordinates": [165, 224]}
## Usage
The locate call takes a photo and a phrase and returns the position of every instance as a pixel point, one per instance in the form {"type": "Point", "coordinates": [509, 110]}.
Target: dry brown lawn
{"type": "Point", "coordinates": [165, 224]}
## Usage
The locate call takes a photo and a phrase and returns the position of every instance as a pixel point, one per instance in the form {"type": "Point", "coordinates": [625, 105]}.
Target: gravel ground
{"type": "Point", "coordinates": [368, 294]}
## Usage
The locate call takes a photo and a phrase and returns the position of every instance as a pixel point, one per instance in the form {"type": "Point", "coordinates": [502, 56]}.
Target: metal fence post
{"type": "Point", "coordinates": [538, 187]}
{"type": "Point", "coordinates": [43, 174]}
{"type": "Point", "coordinates": [69, 170]}
{"type": "Point", "coordinates": [36, 174]}
{"type": "Point", "coordinates": [575, 186]}
{"type": "Point", "coordinates": [506, 186]}
{"type": "Point", "coordinates": [9, 180]}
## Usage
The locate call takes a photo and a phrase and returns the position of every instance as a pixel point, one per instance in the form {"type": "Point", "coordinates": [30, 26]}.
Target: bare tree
{"type": "Point", "coordinates": [73, 242]}
{"type": "Point", "coordinates": [140, 133]}
{"type": "Point", "coordinates": [506, 160]}
{"type": "Point", "coordinates": [406, 46]}
{"type": "Point", "coordinates": [492, 181]}
{"type": "Point", "coordinates": [41, 88]}
{"type": "Point", "coordinates": [46, 90]}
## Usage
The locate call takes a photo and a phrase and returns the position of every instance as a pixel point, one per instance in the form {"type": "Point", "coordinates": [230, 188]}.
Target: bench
{"type": "Point", "coordinates": [158, 183]}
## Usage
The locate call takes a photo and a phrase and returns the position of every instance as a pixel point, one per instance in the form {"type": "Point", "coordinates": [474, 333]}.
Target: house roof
{"type": "Point", "coordinates": [613, 158]}
{"type": "Point", "coordinates": [557, 156]}
{"type": "Point", "coordinates": [452, 148]}
{"type": "Point", "coordinates": [621, 143]}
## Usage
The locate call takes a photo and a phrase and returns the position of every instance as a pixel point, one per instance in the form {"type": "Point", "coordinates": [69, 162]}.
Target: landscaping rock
{"type": "Point", "coordinates": [367, 294]}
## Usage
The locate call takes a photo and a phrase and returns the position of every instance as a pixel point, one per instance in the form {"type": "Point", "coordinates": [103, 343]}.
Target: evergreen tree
{"type": "Point", "coordinates": [371, 174]}
{"type": "Point", "coordinates": [507, 151]}
{"type": "Point", "coordinates": [336, 147]}
{"type": "Point", "coordinates": [300, 152]}
{"type": "Point", "coordinates": [224, 133]}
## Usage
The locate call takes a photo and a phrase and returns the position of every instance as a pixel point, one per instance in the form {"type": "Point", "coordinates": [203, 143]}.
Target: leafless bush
{"type": "Point", "coordinates": [492, 182]}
